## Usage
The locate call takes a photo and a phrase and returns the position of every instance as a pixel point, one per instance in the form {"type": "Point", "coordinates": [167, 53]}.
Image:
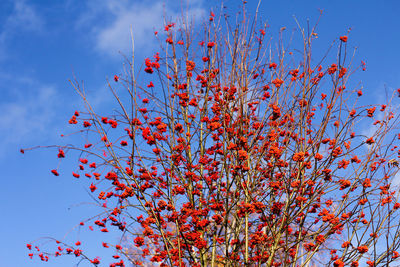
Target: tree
{"type": "Point", "coordinates": [230, 151]}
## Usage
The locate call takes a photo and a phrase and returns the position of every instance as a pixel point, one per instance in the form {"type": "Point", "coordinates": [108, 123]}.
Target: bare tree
{"type": "Point", "coordinates": [235, 150]}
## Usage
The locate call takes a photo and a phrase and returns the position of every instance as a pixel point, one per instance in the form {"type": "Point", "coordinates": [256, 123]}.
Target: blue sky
{"type": "Point", "coordinates": [44, 43]}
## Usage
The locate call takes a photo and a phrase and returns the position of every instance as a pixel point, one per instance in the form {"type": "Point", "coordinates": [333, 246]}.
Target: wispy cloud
{"type": "Point", "coordinates": [143, 17]}
{"type": "Point", "coordinates": [23, 18]}
{"type": "Point", "coordinates": [27, 114]}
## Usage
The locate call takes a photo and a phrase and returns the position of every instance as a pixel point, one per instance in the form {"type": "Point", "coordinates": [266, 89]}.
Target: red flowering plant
{"type": "Point", "coordinates": [228, 153]}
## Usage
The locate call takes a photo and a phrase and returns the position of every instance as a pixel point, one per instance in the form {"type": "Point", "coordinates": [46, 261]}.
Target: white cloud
{"type": "Point", "coordinates": [23, 18]}
{"type": "Point", "coordinates": [27, 114]}
{"type": "Point", "coordinates": [143, 17]}
{"type": "Point", "coordinates": [396, 180]}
